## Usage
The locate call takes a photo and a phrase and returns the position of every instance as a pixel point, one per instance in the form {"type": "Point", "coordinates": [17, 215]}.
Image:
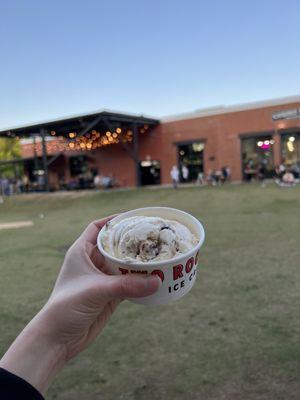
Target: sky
{"type": "Point", "coordinates": [158, 58]}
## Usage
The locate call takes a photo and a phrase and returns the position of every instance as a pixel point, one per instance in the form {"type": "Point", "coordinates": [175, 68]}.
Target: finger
{"type": "Point", "coordinates": [124, 286]}
{"type": "Point", "coordinates": [91, 232]}
{"type": "Point", "coordinates": [98, 259]}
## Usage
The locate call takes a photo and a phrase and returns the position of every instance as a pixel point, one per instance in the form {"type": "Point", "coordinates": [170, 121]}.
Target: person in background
{"type": "Point", "coordinates": [218, 177]}
{"type": "Point", "coordinates": [282, 170]}
{"type": "Point", "coordinates": [295, 169]}
{"type": "Point", "coordinates": [175, 176]}
{"type": "Point", "coordinates": [185, 172]}
{"type": "Point", "coordinates": [200, 178]}
{"type": "Point", "coordinates": [26, 183]}
{"type": "Point", "coordinates": [210, 177]}
{"type": "Point", "coordinates": [228, 171]}
{"type": "Point", "coordinates": [224, 176]}
{"type": "Point", "coordinates": [261, 174]}
{"type": "Point", "coordinates": [248, 172]}
{"type": "Point", "coordinates": [288, 178]}
{"type": "Point", "coordinates": [82, 301]}
{"type": "Point", "coordinates": [98, 181]}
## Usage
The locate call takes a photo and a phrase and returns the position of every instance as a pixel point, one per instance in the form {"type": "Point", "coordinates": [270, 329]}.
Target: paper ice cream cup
{"type": "Point", "coordinates": [178, 274]}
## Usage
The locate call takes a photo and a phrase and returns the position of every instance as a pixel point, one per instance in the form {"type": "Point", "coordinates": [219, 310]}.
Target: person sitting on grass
{"type": "Point", "coordinates": [288, 178]}
{"type": "Point", "coordinates": [82, 301]}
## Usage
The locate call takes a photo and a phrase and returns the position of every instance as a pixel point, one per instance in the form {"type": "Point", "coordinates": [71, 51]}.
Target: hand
{"type": "Point", "coordinates": [83, 299]}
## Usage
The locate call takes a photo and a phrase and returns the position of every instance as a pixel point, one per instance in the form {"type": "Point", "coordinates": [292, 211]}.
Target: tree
{"type": "Point", "coordinates": [10, 149]}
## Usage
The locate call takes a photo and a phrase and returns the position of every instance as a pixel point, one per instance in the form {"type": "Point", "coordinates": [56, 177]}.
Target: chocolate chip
{"type": "Point", "coordinates": [165, 227]}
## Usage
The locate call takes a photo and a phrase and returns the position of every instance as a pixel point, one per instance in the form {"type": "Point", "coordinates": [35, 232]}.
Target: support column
{"type": "Point", "coordinates": [136, 154]}
{"type": "Point", "coordinates": [44, 155]}
{"type": "Point", "coordinates": [277, 148]}
{"type": "Point", "coordinates": [35, 154]}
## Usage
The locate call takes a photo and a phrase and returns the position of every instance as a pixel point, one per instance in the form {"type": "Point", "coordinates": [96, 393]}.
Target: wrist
{"type": "Point", "coordinates": [35, 356]}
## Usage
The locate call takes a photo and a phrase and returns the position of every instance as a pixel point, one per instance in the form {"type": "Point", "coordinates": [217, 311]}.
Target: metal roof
{"type": "Point", "coordinates": [222, 109]}
{"type": "Point", "coordinates": [63, 125]}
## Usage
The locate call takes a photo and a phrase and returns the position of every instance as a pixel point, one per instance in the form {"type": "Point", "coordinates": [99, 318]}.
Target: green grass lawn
{"type": "Point", "coordinates": [235, 336]}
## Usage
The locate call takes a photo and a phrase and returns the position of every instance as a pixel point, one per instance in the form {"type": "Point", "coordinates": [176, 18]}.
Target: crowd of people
{"type": "Point", "coordinates": [88, 180]}
{"type": "Point", "coordinates": [213, 177]}
{"type": "Point", "coordinates": [283, 175]}
{"type": "Point", "coordinates": [11, 186]}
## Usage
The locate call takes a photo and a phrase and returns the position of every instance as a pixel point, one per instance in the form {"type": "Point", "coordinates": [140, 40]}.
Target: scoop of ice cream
{"type": "Point", "coordinates": [147, 239]}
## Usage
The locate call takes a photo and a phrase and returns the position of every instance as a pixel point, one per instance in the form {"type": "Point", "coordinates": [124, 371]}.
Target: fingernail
{"type": "Point", "coordinates": [153, 282]}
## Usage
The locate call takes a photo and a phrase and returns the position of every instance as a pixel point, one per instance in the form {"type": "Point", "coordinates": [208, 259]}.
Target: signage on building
{"type": "Point", "coordinates": [286, 114]}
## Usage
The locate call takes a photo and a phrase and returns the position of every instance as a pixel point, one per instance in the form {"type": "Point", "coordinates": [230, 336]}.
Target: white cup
{"type": "Point", "coordinates": [178, 274]}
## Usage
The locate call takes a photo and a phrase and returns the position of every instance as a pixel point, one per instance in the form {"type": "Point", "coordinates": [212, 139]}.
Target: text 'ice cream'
{"type": "Point", "coordinates": [147, 239]}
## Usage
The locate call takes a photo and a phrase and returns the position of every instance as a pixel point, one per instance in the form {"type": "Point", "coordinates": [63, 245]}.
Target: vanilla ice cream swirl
{"type": "Point", "coordinates": [147, 239]}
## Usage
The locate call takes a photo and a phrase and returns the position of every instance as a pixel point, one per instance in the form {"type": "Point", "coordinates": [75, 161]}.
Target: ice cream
{"type": "Point", "coordinates": [147, 239]}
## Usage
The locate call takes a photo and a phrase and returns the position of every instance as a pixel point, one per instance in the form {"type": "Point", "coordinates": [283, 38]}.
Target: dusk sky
{"type": "Point", "coordinates": [164, 57]}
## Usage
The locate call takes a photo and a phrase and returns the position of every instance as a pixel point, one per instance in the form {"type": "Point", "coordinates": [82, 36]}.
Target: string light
{"type": "Point", "coordinates": [90, 141]}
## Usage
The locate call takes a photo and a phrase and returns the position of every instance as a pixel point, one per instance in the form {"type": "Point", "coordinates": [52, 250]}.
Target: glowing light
{"type": "Point", "coordinates": [260, 143]}
{"type": "Point", "coordinates": [272, 141]}
{"type": "Point", "coordinates": [108, 133]}
{"type": "Point", "coordinates": [267, 142]}
{"type": "Point", "coordinates": [197, 147]}
{"type": "Point", "coordinates": [114, 135]}
{"type": "Point", "coordinates": [52, 133]}
{"type": "Point", "coordinates": [290, 146]}
{"type": "Point", "coordinates": [71, 145]}
{"type": "Point", "coordinates": [291, 138]}
{"type": "Point", "coordinates": [72, 134]}
{"type": "Point", "coordinates": [265, 146]}
{"type": "Point", "coordinates": [118, 130]}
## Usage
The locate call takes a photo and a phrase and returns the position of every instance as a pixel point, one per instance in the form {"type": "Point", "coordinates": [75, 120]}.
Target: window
{"type": "Point", "coordinates": [290, 148]}
{"type": "Point", "coordinates": [258, 151]}
{"type": "Point", "coordinates": [190, 155]}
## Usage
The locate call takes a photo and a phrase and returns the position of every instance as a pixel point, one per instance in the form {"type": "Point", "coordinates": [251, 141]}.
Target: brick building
{"type": "Point", "coordinates": [206, 140]}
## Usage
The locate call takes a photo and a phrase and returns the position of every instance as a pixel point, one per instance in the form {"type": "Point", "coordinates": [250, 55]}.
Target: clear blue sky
{"type": "Point", "coordinates": [155, 57]}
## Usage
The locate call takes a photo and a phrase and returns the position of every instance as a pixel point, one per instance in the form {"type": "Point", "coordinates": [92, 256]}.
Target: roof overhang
{"type": "Point", "coordinates": [100, 120]}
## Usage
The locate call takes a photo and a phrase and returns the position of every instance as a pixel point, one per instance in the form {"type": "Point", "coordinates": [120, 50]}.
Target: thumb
{"type": "Point", "coordinates": [123, 286]}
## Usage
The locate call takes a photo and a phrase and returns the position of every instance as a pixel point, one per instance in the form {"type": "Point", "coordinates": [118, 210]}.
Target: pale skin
{"type": "Point", "coordinates": [82, 300]}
